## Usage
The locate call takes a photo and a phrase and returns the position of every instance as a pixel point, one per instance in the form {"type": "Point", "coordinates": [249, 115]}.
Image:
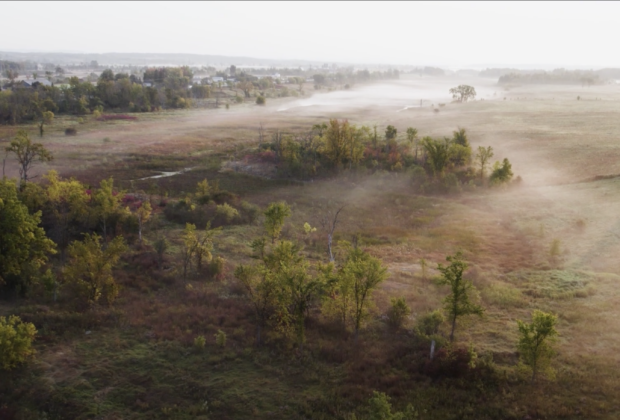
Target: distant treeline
{"type": "Point", "coordinates": [557, 76]}
{"type": "Point", "coordinates": [169, 88]}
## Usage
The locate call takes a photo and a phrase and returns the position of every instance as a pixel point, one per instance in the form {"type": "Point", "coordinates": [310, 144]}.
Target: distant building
{"type": "Point", "coordinates": [34, 83]}
{"type": "Point", "coordinates": [217, 79]}
{"type": "Point", "coordinates": [147, 84]}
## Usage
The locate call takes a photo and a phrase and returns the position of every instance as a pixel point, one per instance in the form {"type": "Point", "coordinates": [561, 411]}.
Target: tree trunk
{"type": "Point", "coordinates": [453, 327]}
{"type": "Point", "coordinates": [329, 246]}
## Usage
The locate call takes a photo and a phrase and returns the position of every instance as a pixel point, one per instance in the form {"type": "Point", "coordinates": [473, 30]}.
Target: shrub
{"type": "Point", "coordinates": [226, 212]}
{"type": "Point", "coordinates": [249, 212]}
{"type": "Point", "coordinates": [260, 100]}
{"type": "Point", "coordinates": [398, 312]}
{"type": "Point", "coordinates": [15, 341]}
{"type": "Point", "coordinates": [70, 131]}
{"type": "Point", "coordinates": [220, 338]}
{"type": "Point", "coordinates": [238, 99]}
{"type": "Point", "coordinates": [200, 342]}
{"type": "Point", "coordinates": [216, 267]}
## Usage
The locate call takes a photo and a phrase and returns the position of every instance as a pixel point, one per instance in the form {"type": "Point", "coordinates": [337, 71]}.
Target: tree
{"type": "Point", "coordinates": [89, 272]}
{"type": "Point", "coordinates": [16, 339]}
{"type": "Point", "coordinates": [399, 310]}
{"type": "Point", "coordinates": [412, 138]}
{"type": "Point", "coordinates": [460, 137]}
{"type": "Point", "coordinates": [27, 154]}
{"type": "Point", "coordinates": [535, 344]}
{"type": "Point", "coordinates": [47, 117]}
{"type": "Point", "coordinates": [458, 302]}
{"type": "Point", "coordinates": [66, 201]}
{"type": "Point", "coordinates": [380, 408]}
{"type": "Point", "coordinates": [329, 222]}
{"type": "Point", "coordinates": [366, 273]}
{"type": "Point", "coordinates": [438, 153]}
{"type": "Point", "coordinates": [197, 246]}
{"type": "Point", "coordinates": [463, 93]}
{"type": "Point", "coordinates": [108, 204]}
{"type": "Point", "coordinates": [275, 215]}
{"type": "Point", "coordinates": [298, 288]}
{"type": "Point", "coordinates": [390, 133]}
{"type": "Point", "coordinates": [261, 288]}
{"type": "Point", "coordinates": [143, 213]}
{"type": "Point", "coordinates": [24, 248]}
{"type": "Point", "coordinates": [501, 172]}
{"type": "Point", "coordinates": [482, 158]}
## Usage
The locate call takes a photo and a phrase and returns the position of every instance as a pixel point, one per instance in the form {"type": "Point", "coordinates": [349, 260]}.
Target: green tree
{"type": "Point", "coordinates": [501, 172]}
{"type": "Point", "coordinates": [536, 341]}
{"type": "Point", "coordinates": [108, 205]}
{"type": "Point", "coordinates": [458, 303]}
{"type": "Point", "coordinates": [398, 312]}
{"type": "Point", "coordinates": [482, 158]}
{"type": "Point", "coordinates": [16, 339]}
{"type": "Point", "coordinates": [297, 289]}
{"type": "Point", "coordinates": [47, 117]}
{"type": "Point", "coordinates": [261, 288]}
{"type": "Point", "coordinates": [438, 152]}
{"type": "Point", "coordinates": [335, 140]}
{"type": "Point", "coordinates": [463, 93]}
{"type": "Point", "coordinates": [24, 248]}
{"type": "Point", "coordinates": [380, 408]}
{"type": "Point", "coordinates": [366, 272]}
{"type": "Point", "coordinates": [275, 215]}
{"type": "Point", "coordinates": [460, 137]}
{"type": "Point", "coordinates": [390, 133]}
{"type": "Point", "coordinates": [412, 138]}
{"type": "Point", "coordinates": [143, 213]}
{"type": "Point", "coordinates": [27, 154]}
{"type": "Point", "coordinates": [89, 272]}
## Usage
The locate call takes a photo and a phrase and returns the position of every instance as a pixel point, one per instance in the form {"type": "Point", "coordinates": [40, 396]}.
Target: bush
{"type": "Point", "coordinates": [15, 341]}
{"type": "Point", "coordinates": [260, 100]}
{"type": "Point", "coordinates": [70, 131]}
{"type": "Point", "coordinates": [216, 268]}
{"type": "Point", "coordinates": [226, 212]}
{"type": "Point", "coordinates": [220, 338]}
{"type": "Point", "coordinates": [398, 312]}
{"type": "Point", "coordinates": [249, 212]}
{"type": "Point", "coordinates": [238, 99]}
{"type": "Point", "coordinates": [200, 342]}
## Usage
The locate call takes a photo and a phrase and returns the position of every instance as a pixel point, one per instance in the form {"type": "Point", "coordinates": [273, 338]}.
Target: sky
{"type": "Point", "coordinates": [460, 34]}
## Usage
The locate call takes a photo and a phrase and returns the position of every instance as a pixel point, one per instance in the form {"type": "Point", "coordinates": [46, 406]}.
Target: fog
{"type": "Point", "coordinates": [409, 92]}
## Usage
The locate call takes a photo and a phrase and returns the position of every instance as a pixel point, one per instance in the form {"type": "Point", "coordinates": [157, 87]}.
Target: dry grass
{"type": "Point", "coordinates": [553, 141]}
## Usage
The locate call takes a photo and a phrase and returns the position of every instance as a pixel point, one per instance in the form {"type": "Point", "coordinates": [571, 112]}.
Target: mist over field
{"type": "Point", "coordinates": [371, 210]}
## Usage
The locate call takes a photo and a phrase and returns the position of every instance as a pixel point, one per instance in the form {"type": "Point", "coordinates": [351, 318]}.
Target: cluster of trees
{"type": "Point", "coordinates": [435, 164]}
{"type": "Point", "coordinates": [170, 88]}
{"type": "Point", "coordinates": [283, 286]}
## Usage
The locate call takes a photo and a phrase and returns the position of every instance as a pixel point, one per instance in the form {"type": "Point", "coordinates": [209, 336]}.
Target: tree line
{"type": "Point", "coordinates": [435, 164]}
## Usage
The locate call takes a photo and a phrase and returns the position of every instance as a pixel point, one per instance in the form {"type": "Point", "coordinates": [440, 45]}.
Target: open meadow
{"type": "Point", "coordinates": [550, 242]}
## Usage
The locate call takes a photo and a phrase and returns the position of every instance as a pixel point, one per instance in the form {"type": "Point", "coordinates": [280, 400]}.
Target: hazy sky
{"type": "Point", "coordinates": [454, 34]}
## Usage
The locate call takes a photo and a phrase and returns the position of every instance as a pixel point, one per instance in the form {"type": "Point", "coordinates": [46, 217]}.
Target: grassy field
{"type": "Point", "coordinates": [137, 361]}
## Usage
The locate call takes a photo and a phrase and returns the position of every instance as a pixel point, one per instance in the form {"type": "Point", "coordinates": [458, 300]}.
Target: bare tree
{"type": "Point", "coordinates": [329, 221]}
